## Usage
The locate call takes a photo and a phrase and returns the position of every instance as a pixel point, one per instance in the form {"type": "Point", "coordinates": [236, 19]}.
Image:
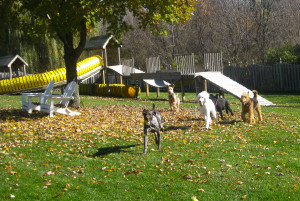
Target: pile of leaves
{"type": "Point", "coordinates": [114, 121]}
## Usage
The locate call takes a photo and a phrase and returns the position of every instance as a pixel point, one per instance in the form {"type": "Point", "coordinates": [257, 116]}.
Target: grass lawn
{"type": "Point", "coordinates": [97, 155]}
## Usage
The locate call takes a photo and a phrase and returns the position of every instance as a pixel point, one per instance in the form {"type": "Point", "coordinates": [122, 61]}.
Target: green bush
{"type": "Point", "coordinates": [287, 54]}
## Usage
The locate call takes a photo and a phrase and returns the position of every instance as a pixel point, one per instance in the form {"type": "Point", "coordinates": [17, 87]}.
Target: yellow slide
{"type": "Point", "coordinates": [42, 79]}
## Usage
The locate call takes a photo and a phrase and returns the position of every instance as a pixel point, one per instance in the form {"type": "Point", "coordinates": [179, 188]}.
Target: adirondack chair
{"type": "Point", "coordinates": [27, 104]}
{"type": "Point", "coordinates": [64, 102]}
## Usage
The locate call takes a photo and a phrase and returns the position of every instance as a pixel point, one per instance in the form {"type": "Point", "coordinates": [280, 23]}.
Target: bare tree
{"type": "Point", "coordinates": [242, 29]}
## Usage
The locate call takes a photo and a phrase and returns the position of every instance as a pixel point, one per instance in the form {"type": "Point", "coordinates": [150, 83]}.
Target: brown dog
{"type": "Point", "coordinates": [249, 105]}
{"type": "Point", "coordinates": [174, 100]}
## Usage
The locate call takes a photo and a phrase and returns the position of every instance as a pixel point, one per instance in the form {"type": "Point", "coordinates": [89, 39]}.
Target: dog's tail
{"type": "Point", "coordinates": [255, 94]}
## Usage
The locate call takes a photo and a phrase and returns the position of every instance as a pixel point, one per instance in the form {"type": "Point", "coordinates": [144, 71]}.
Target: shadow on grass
{"type": "Point", "coordinates": [232, 122]}
{"type": "Point", "coordinates": [108, 150]}
{"type": "Point", "coordinates": [19, 115]}
{"type": "Point", "coordinates": [169, 128]}
{"type": "Point", "coordinates": [286, 106]}
{"type": "Point", "coordinates": [157, 99]}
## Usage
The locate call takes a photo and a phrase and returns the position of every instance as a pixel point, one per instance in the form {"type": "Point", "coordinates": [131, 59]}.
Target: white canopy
{"type": "Point", "coordinates": [157, 83]}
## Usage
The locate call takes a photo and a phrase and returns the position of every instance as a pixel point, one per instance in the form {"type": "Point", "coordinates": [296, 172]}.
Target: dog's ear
{"type": "Point", "coordinates": [172, 85]}
{"type": "Point", "coordinates": [144, 111]}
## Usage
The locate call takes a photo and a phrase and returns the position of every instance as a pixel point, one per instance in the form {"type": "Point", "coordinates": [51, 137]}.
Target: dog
{"type": "Point", "coordinates": [221, 103]}
{"type": "Point", "coordinates": [174, 100]}
{"type": "Point", "coordinates": [152, 123]}
{"type": "Point", "coordinates": [207, 108]}
{"type": "Point", "coordinates": [249, 105]}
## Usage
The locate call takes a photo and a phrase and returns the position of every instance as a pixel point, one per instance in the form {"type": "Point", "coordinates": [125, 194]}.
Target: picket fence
{"type": "Point", "coordinates": [4, 76]}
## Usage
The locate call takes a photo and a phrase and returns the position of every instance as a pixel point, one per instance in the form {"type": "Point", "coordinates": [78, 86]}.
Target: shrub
{"type": "Point", "coordinates": [287, 54]}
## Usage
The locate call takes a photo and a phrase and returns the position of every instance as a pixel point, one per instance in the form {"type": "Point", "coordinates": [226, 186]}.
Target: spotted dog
{"type": "Point", "coordinates": [152, 123]}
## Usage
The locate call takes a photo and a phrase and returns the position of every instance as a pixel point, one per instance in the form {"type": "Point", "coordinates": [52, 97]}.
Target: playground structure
{"type": "Point", "coordinates": [94, 67]}
{"type": "Point", "coordinates": [86, 69]}
{"type": "Point", "coordinates": [37, 82]}
{"type": "Point", "coordinates": [185, 73]}
{"type": "Point", "coordinates": [12, 66]}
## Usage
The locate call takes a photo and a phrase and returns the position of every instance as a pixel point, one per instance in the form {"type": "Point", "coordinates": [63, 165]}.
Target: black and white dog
{"type": "Point", "coordinates": [152, 123]}
{"type": "Point", "coordinates": [221, 103]}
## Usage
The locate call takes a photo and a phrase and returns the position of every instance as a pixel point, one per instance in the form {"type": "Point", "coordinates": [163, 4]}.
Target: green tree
{"type": "Point", "coordinates": [9, 19]}
{"type": "Point", "coordinates": [285, 53]}
{"type": "Point", "coordinates": [71, 19]}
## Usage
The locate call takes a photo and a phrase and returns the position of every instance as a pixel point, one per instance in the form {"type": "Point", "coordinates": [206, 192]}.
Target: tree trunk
{"type": "Point", "coordinates": [71, 72]}
{"type": "Point", "coordinates": [71, 56]}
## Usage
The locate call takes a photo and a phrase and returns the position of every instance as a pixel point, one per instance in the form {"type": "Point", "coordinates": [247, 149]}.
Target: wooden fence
{"type": "Point", "coordinates": [185, 64]}
{"type": "Point", "coordinates": [152, 64]}
{"type": "Point", "coordinates": [213, 61]}
{"type": "Point", "coordinates": [128, 62]}
{"type": "Point", "coordinates": [278, 78]}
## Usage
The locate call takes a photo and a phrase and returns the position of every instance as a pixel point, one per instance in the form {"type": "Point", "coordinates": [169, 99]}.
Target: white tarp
{"type": "Point", "coordinates": [157, 83]}
{"type": "Point", "coordinates": [124, 70]}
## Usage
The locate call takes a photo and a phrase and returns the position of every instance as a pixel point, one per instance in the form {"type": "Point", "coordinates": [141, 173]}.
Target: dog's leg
{"type": "Point", "coordinates": [210, 121]}
{"type": "Point", "coordinates": [251, 115]}
{"type": "Point", "coordinates": [158, 141]}
{"type": "Point", "coordinates": [214, 114]}
{"type": "Point", "coordinates": [228, 109]}
{"type": "Point", "coordinates": [258, 110]}
{"type": "Point", "coordinates": [145, 142]}
{"type": "Point", "coordinates": [244, 116]}
{"type": "Point", "coordinates": [156, 137]}
{"type": "Point", "coordinates": [221, 113]}
{"type": "Point", "coordinates": [171, 106]}
{"type": "Point", "coordinates": [207, 121]}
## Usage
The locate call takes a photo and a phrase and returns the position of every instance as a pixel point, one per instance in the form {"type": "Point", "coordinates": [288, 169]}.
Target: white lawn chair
{"type": "Point", "coordinates": [64, 102]}
{"type": "Point", "coordinates": [27, 104]}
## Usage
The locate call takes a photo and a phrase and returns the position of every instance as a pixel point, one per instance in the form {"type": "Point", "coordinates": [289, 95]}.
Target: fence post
{"type": "Point", "coordinates": [281, 75]}
{"type": "Point", "coordinates": [196, 85]}
{"type": "Point", "coordinates": [254, 76]}
{"type": "Point", "coordinates": [157, 92]}
{"type": "Point", "coordinates": [182, 89]}
{"type": "Point", "coordinates": [147, 89]}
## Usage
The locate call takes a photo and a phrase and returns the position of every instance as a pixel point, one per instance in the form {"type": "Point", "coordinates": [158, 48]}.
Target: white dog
{"type": "Point", "coordinates": [207, 107]}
